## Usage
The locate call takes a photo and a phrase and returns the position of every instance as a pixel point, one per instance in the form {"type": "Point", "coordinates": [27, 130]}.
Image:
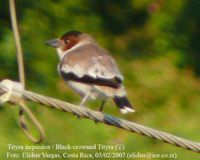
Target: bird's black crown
{"type": "Point", "coordinates": [71, 33]}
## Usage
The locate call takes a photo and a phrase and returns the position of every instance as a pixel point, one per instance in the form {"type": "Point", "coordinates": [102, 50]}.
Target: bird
{"type": "Point", "coordinates": [90, 70]}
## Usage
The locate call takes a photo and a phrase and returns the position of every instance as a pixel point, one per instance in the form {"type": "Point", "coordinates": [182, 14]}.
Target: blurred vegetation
{"type": "Point", "coordinates": [156, 45]}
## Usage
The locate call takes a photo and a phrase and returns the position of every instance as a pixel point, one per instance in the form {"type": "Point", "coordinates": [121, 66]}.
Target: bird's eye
{"type": "Point", "coordinates": [67, 41]}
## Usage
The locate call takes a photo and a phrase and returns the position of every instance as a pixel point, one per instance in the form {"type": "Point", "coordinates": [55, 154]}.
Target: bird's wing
{"type": "Point", "coordinates": [91, 64]}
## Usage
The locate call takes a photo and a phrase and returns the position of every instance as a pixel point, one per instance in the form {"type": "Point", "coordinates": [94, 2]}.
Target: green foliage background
{"type": "Point", "coordinates": [156, 45]}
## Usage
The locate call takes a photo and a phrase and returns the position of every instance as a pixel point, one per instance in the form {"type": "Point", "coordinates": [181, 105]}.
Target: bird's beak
{"type": "Point", "coordinates": [53, 43]}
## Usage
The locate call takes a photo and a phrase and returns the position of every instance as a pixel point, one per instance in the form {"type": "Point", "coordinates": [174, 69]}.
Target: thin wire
{"type": "Point", "coordinates": [17, 42]}
{"type": "Point", "coordinates": [35, 122]}
{"type": "Point", "coordinates": [22, 120]}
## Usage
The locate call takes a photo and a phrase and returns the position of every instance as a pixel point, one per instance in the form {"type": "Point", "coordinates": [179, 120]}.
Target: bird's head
{"type": "Point", "coordinates": [68, 41]}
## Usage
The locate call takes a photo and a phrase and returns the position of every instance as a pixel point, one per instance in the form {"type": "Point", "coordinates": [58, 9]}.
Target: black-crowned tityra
{"type": "Point", "coordinates": [90, 70]}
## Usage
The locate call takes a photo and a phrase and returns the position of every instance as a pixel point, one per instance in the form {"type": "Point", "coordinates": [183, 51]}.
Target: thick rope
{"type": "Point", "coordinates": [22, 120]}
{"type": "Point", "coordinates": [107, 119]}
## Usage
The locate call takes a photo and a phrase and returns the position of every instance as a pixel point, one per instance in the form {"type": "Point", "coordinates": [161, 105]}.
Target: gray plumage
{"type": "Point", "coordinates": [90, 70]}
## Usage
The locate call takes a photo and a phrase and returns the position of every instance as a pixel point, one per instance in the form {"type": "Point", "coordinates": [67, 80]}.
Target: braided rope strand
{"type": "Point", "coordinates": [113, 121]}
{"type": "Point", "coordinates": [106, 119]}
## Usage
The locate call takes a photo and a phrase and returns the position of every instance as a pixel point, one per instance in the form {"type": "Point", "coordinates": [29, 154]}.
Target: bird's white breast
{"type": "Point", "coordinates": [81, 88]}
{"type": "Point", "coordinates": [98, 92]}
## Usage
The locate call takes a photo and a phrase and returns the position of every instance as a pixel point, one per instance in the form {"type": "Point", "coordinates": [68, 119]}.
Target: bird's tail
{"type": "Point", "coordinates": [123, 104]}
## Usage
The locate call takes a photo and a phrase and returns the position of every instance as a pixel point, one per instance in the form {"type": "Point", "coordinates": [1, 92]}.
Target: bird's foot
{"type": "Point", "coordinates": [100, 111]}
{"type": "Point", "coordinates": [79, 117]}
